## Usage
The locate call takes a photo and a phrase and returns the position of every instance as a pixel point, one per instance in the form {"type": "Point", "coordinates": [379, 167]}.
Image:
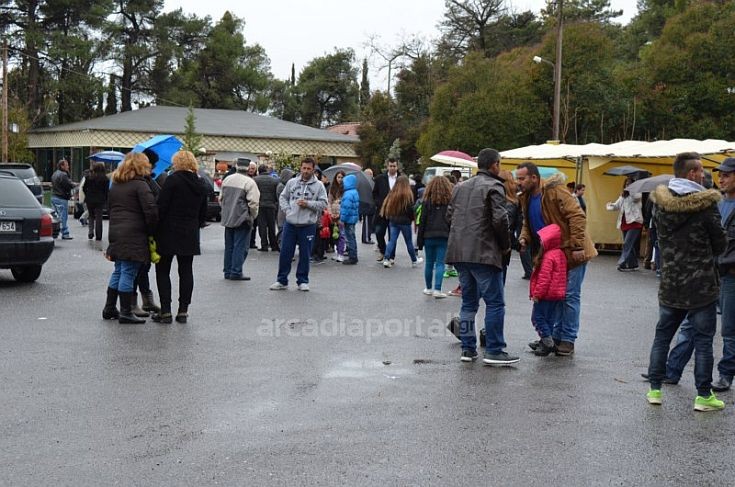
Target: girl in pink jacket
{"type": "Point", "coordinates": [548, 287]}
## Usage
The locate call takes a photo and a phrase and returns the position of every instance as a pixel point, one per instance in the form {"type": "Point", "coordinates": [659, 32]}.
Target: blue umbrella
{"type": "Point", "coordinates": [107, 156]}
{"type": "Point", "coordinates": [159, 149]}
{"type": "Point", "coordinates": [544, 171]}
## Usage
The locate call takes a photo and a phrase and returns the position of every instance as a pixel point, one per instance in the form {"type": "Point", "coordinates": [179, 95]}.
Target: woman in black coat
{"type": "Point", "coordinates": [133, 216]}
{"type": "Point", "coordinates": [182, 208]}
{"type": "Point", "coordinates": [96, 188]}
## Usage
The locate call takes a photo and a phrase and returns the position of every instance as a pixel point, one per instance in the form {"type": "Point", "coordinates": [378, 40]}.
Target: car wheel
{"type": "Point", "coordinates": [27, 273]}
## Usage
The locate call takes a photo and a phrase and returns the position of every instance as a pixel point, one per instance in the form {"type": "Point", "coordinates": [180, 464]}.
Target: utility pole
{"type": "Point", "coordinates": [5, 101]}
{"type": "Point", "coordinates": [557, 68]}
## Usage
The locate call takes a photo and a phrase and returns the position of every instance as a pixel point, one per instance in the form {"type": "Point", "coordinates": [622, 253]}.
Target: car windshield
{"type": "Point", "coordinates": [22, 172]}
{"type": "Point", "coordinates": [15, 194]}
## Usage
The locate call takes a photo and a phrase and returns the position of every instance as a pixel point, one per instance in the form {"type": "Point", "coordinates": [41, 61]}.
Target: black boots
{"type": "Point", "coordinates": [148, 303]}
{"type": "Point", "coordinates": [182, 314]}
{"type": "Point", "coordinates": [126, 310]}
{"type": "Point", "coordinates": [110, 312]}
{"type": "Point", "coordinates": [164, 316]}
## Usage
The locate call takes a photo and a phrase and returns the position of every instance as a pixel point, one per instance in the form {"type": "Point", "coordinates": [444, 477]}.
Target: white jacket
{"type": "Point", "coordinates": [630, 206]}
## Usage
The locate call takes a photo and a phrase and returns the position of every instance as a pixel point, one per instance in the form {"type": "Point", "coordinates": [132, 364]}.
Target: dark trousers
{"type": "Point", "coordinates": [292, 236]}
{"type": "Point", "coordinates": [186, 280]}
{"type": "Point", "coordinates": [267, 228]}
{"type": "Point", "coordinates": [95, 215]}
{"type": "Point", "coordinates": [704, 322]}
{"type": "Point", "coordinates": [142, 282]}
{"type": "Point", "coordinates": [381, 226]}
{"type": "Point", "coordinates": [367, 228]}
{"type": "Point", "coordinates": [256, 223]}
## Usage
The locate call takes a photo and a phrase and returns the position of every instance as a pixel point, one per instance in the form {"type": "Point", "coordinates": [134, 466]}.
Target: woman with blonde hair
{"type": "Point", "coordinates": [398, 210]}
{"type": "Point", "coordinates": [133, 216]}
{"type": "Point", "coordinates": [434, 233]}
{"type": "Point", "coordinates": [182, 208]}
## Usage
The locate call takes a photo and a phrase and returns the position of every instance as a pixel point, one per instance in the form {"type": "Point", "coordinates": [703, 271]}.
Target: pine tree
{"type": "Point", "coordinates": [293, 75]}
{"type": "Point", "coordinates": [111, 107]}
{"type": "Point", "coordinates": [192, 140]}
{"type": "Point", "coordinates": [364, 86]}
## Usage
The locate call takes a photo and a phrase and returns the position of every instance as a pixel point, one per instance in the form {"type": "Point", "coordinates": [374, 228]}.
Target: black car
{"type": "Point", "coordinates": [214, 210]}
{"type": "Point", "coordinates": [27, 174]}
{"type": "Point", "coordinates": [26, 230]}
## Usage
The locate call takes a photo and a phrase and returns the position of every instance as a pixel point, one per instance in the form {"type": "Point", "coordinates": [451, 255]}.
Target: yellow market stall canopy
{"type": "Point", "coordinates": [587, 164]}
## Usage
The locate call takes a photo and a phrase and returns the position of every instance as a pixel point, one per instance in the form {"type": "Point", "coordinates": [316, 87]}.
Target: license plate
{"type": "Point", "coordinates": [7, 226]}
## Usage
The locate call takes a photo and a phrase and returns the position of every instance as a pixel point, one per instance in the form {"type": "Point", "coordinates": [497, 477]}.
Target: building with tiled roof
{"type": "Point", "coordinates": [222, 131]}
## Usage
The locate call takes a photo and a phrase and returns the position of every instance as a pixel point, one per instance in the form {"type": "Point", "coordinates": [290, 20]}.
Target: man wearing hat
{"type": "Point", "coordinates": [726, 366]}
{"type": "Point", "coordinates": [239, 198]}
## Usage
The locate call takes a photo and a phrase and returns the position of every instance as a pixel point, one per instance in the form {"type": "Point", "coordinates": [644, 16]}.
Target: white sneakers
{"type": "Point", "coordinates": [416, 262]}
{"type": "Point", "coordinates": [439, 295]}
{"type": "Point", "coordinates": [277, 286]}
{"type": "Point", "coordinates": [428, 292]}
{"type": "Point", "coordinates": [388, 263]}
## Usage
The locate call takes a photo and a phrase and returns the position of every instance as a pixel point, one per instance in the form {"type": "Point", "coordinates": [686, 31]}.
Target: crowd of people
{"type": "Point", "coordinates": [470, 226]}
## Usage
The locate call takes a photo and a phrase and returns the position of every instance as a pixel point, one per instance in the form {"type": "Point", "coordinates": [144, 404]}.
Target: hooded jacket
{"type": "Point", "coordinates": [133, 216]}
{"type": "Point", "coordinates": [559, 206]}
{"type": "Point", "coordinates": [312, 191]}
{"type": "Point", "coordinates": [480, 231]}
{"type": "Point", "coordinates": [182, 210]}
{"type": "Point", "coordinates": [349, 210]}
{"type": "Point", "coordinates": [240, 199]}
{"type": "Point", "coordinates": [690, 237]}
{"type": "Point", "coordinates": [549, 278]}
{"type": "Point", "coordinates": [630, 206]}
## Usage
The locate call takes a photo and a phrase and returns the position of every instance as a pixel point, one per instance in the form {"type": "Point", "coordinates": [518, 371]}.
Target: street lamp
{"type": "Point", "coordinates": [557, 70]}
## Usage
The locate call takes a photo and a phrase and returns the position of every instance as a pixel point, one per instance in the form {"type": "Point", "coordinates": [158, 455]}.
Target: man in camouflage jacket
{"type": "Point", "coordinates": [690, 238]}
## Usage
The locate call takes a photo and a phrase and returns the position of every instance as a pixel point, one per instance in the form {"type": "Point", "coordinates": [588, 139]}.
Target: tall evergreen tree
{"type": "Point", "coordinates": [192, 140]}
{"type": "Point", "coordinates": [111, 106]}
{"type": "Point", "coordinates": [364, 86]}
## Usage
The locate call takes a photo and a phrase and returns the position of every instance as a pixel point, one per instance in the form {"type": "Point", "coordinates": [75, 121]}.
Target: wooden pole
{"type": "Point", "coordinates": [5, 101]}
{"type": "Point", "coordinates": [557, 70]}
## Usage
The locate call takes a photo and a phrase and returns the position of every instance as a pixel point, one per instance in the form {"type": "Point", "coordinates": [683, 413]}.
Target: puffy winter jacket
{"type": "Point", "coordinates": [349, 210]}
{"type": "Point", "coordinates": [549, 278]}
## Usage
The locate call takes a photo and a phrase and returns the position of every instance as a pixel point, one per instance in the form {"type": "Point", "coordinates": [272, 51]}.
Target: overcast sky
{"type": "Point", "coordinates": [296, 31]}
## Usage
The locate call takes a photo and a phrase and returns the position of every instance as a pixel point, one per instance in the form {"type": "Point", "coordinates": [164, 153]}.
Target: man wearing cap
{"type": "Point", "coordinates": [239, 198]}
{"type": "Point", "coordinates": [61, 186]}
{"type": "Point", "coordinates": [726, 366]}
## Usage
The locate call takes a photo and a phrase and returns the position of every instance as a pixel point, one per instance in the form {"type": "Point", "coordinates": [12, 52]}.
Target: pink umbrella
{"type": "Point", "coordinates": [454, 158]}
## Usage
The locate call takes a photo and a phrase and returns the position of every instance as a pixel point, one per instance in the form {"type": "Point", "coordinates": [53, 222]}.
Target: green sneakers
{"type": "Point", "coordinates": [654, 396]}
{"type": "Point", "coordinates": [710, 403]}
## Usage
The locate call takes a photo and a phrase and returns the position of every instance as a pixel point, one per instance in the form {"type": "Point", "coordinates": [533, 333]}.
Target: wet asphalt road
{"type": "Point", "coordinates": [289, 388]}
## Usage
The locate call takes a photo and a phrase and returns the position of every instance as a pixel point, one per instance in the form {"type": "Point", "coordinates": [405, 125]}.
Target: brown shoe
{"type": "Point", "coordinates": [565, 349]}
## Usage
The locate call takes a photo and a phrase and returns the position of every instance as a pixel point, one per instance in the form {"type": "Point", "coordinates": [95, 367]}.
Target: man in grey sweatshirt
{"type": "Point", "coordinates": [303, 200]}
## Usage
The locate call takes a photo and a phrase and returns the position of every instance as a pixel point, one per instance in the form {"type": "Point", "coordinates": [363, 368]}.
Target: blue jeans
{"type": "Point", "coordinates": [62, 208]}
{"type": "Point", "coordinates": [629, 257]}
{"type": "Point", "coordinates": [395, 230]}
{"type": "Point", "coordinates": [726, 366]}
{"type": "Point", "coordinates": [237, 243]}
{"type": "Point", "coordinates": [681, 353]}
{"type": "Point", "coordinates": [293, 235]}
{"type": "Point", "coordinates": [123, 277]}
{"type": "Point", "coordinates": [351, 241]}
{"type": "Point", "coordinates": [543, 315]}
{"type": "Point", "coordinates": [704, 323]}
{"type": "Point", "coordinates": [486, 282]}
{"type": "Point", "coordinates": [435, 249]}
{"type": "Point", "coordinates": [566, 326]}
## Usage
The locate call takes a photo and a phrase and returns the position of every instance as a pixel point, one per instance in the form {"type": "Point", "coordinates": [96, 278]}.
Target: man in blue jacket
{"type": "Point", "coordinates": [349, 214]}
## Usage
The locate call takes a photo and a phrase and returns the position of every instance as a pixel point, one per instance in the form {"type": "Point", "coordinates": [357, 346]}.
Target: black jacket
{"type": "Point", "coordinates": [267, 186]}
{"type": "Point", "coordinates": [433, 223]}
{"type": "Point", "coordinates": [96, 189]}
{"type": "Point", "coordinates": [61, 184]}
{"type": "Point", "coordinates": [133, 216]}
{"type": "Point", "coordinates": [381, 189]}
{"type": "Point", "coordinates": [182, 208]}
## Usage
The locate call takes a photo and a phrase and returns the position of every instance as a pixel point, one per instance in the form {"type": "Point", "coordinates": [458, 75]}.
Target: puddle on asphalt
{"type": "Point", "coordinates": [363, 369]}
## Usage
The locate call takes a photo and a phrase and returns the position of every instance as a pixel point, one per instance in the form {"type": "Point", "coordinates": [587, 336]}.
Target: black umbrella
{"type": "Point", "coordinates": [364, 185]}
{"type": "Point", "coordinates": [636, 172]}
